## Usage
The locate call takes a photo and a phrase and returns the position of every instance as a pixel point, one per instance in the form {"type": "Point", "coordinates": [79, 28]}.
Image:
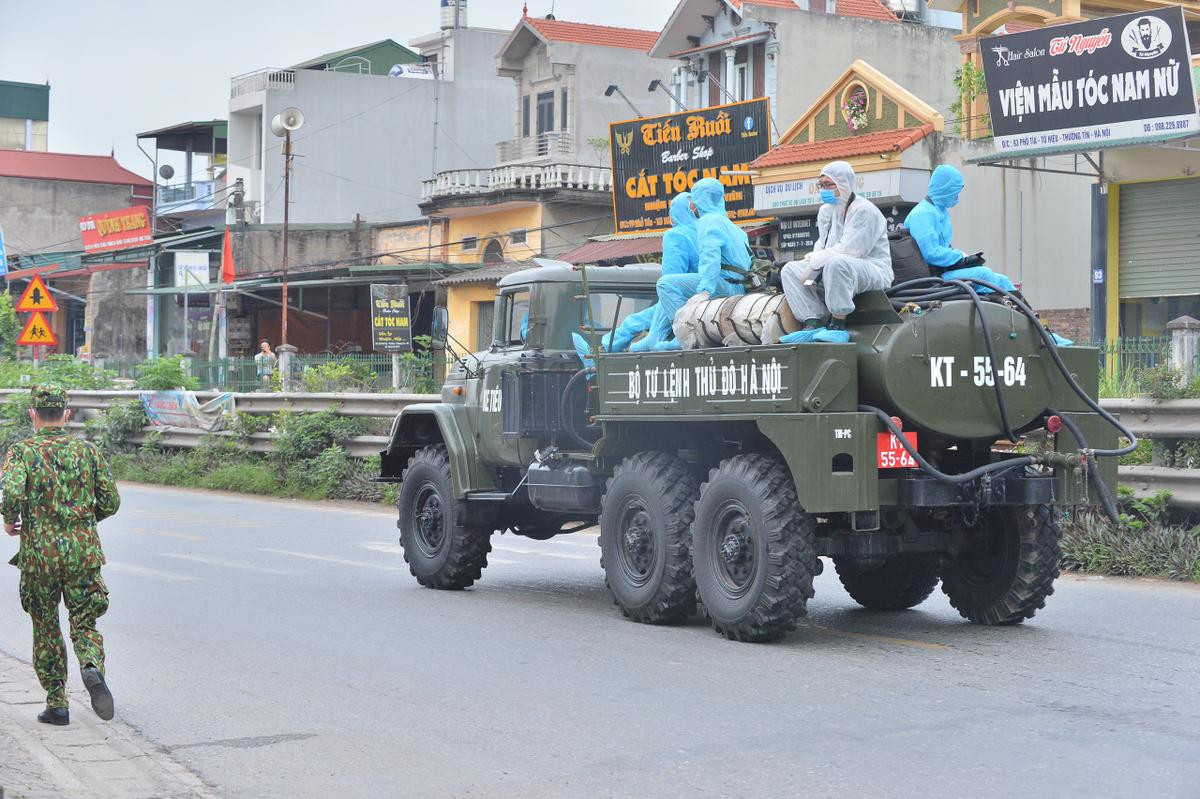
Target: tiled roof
{"type": "Point", "coordinates": [737, 4]}
{"type": "Point", "coordinates": [627, 249]}
{"type": "Point", "coordinates": [886, 141]}
{"type": "Point", "coordinates": [716, 45]}
{"type": "Point", "coordinates": [65, 166]}
{"type": "Point", "coordinates": [866, 9]}
{"type": "Point", "coordinates": [486, 274]}
{"type": "Point", "coordinates": [557, 30]}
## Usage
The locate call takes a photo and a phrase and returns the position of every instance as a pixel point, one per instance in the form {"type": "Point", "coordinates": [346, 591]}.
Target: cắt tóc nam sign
{"type": "Point", "coordinates": [391, 327]}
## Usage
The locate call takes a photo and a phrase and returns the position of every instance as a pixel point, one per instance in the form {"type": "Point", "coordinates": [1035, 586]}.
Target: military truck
{"type": "Point", "coordinates": [719, 476]}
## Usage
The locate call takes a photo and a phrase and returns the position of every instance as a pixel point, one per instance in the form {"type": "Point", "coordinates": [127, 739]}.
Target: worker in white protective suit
{"type": "Point", "coordinates": [851, 256]}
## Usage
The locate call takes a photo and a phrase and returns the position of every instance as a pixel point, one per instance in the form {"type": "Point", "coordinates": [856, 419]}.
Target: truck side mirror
{"type": "Point", "coordinates": [439, 328]}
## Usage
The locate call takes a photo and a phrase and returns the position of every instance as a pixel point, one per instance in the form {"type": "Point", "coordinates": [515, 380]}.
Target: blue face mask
{"type": "Point", "coordinates": [828, 197]}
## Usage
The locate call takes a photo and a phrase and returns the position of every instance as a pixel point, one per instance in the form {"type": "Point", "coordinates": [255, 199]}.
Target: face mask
{"type": "Point", "coordinates": [953, 201]}
{"type": "Point", "coordinates": [828, 197]}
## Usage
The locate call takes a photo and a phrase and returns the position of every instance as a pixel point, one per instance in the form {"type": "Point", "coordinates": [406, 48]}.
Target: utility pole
{"type": "Point", "coordinates": [287, 194]}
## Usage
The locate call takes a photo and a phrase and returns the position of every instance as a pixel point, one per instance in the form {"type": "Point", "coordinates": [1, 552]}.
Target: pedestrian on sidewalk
{"type": "Point", "coordinates": [55, 488]}
{"type": "Point", "coordinates": [264, 364]}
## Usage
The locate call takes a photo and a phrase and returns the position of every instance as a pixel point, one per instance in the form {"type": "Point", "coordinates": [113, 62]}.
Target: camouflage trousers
{"type": "Point", "coordinates": [86, 598]}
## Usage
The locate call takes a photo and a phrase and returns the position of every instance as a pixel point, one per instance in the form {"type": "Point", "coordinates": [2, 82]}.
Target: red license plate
{"type": "Point", "coordinates": [893, 455]}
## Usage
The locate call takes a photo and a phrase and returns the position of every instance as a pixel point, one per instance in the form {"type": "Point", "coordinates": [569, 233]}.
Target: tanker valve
{"type": "Point", "coordinates": [1053, 424]}
{"type": "Point", "coordinates": [1062, 460]}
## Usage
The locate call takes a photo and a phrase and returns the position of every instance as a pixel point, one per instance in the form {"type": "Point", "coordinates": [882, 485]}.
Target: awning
{"type": "Point", "coordinates": [620, 249]}
{"type": "Point", "coordinates": [1077, 148]}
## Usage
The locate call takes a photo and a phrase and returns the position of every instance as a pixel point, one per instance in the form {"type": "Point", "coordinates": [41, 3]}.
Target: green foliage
{"type": "Point", "coordinates": [247, 477]}
{"type": "Point", "coordinates": [1141, 455]}
{"type": "Point", "coordinates": [165, 374]}
{"type": "Point", "coordinates": [319, 477]}
{"type": "Point", "coordinates": [10, 328]}
{"type": "Point", "coordinates": [63, 370]}
{"type": "Point", "coordinates": [1144, 544]}
{"type": "Point", "coordinates": [968, 84]}
{"type": "Point", "coordinates": [14, 422]}
{"type": "Point", "coordinates": [111, 429]}
{"type": "Point", "coordinates": [345, 374]}
{"type": "Point", "coordinates": [307, 435]}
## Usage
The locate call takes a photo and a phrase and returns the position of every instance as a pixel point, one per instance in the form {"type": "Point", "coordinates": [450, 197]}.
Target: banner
{"type": "Point", "coordinates": [391, 328]}
{"type": "Point", "coordinates": [182, 409]}
{"type": "Point", "coordinates": [655, 158]}
{"type": "Point", "coordinates": [3, 254]}
{"type": "Point", "coordinates": [1084, 85]}
{"type": "Point", "coordinates": [116, 230]}
{"type": "Point", "coordinates": [191, 270]}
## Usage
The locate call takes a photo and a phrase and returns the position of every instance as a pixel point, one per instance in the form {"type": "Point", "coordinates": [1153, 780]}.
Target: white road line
{"type": "Point", "coordinates": [379, 546]}
{"type": "Point", "coordinates": [229, 564]}
{"type": "Point", "coordinates": [564, 555]}
{"type": "Point", "coordinates": [341, 561]}
{"type": "Point", "coordinates": [498, 561]}
{"type": "Point", "coordinates": [142, 571]}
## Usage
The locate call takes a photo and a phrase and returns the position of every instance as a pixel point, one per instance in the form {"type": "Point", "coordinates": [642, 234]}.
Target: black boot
{"type": "Point", "coordinates": [102, 700]}
{"type": "Point", "coordinates": [58, 716]}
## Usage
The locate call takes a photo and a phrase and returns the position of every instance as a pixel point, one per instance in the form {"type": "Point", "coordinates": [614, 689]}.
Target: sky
{"type": "Point", "coordinates": [119, 68]}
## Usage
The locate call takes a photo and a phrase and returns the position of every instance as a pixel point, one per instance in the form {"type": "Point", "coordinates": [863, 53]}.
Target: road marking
{"type": "Point", "coordinates": [563, 555]}
{"type": "Point", "coordinates": [142, 571]}
{"type": "Point", "coordinates": [379, 546]}
{"type": "Point", "coordinates": [882, 639]}
{"type": "Point", "coordinates": [497, 561]}
{"type": "Point", "coordinates": [169, 534]}
{"type": "Point", "coordinates": [327, 559]}
{"type": "Point", "coordinates": [229, 564]}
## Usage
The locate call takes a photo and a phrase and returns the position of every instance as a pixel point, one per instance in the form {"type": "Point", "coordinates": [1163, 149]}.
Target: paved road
{"type": "Point", "coordinates": [282, 650]}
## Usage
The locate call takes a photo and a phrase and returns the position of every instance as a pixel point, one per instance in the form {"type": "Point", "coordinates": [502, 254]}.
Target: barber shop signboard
{"type": "Point", "coordinates": [655, 158]}
{"type": "Point", "coordinates": [1091, 84]}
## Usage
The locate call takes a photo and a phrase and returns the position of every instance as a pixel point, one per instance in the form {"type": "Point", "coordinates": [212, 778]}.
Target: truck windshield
{"type": "Point", "coordinates": [609, 309]}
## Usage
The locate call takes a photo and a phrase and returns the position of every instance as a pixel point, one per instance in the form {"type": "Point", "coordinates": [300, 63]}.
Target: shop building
{"type": "Point", "coordinates": [24, 116]}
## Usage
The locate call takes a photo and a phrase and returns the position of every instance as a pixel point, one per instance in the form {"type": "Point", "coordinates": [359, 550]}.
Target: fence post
{"type": "Point", "coordinates": [287, 367]}
{"type": "Point", "coordinates": [397, 380]}
{"type": "Point", "coordinates": [186, 361]}
{"type": "Point", "coordinates": [1185, 345]}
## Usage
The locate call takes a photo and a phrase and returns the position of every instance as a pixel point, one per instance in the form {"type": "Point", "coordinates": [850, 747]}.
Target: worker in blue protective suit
{"type": "Point", "coordinates": [851, 256]}
{"type": "Point", "coordinates": [680, 257]}
{"type": "Point", "coordinates": [720, 244]}
{"type": "Point", "coordinates": [929, 225]}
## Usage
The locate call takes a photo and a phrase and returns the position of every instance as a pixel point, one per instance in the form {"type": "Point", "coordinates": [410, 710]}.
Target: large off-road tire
{"type": "Point", "coordinates": [645, 538]}
{"type": "Point", "coordinates": [1006, 575]}
{"type": "Point", "coordinates": [898, 583]}
{"type": "Point", "coordinates": [442, 549]}
{"type": "Point", "coordinates": [753, 549]}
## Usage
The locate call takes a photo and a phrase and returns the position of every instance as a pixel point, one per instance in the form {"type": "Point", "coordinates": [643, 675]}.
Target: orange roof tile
{"type": "Point", "coordinates": [771, 3]}
{"type": "Point", "coordinates": [557, 30]}
{"type": "Point", "coordinates": [886, 141]}
{"type": "Point", "coordinates": [866, 9]}
{"type": "Point", "coordinates": [38, 165]}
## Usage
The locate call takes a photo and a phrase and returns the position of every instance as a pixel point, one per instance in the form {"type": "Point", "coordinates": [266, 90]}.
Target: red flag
{"type": "Point", "coordinates": [228, 274]}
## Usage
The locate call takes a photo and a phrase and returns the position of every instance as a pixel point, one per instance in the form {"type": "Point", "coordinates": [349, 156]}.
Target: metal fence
{"type": "Point", "coordinates": [1127, 356]}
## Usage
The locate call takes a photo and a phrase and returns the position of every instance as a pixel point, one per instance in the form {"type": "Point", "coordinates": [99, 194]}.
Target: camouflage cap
{"type": "Point", "coordinates": [49, 397]}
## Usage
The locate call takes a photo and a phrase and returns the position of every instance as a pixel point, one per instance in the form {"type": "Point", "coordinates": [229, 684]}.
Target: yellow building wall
{"type": "Point", "coordinates": [496, 226]}
{"type": "Point", "coordinates": [462, 304]}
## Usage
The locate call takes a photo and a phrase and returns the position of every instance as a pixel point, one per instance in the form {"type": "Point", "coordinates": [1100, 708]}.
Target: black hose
{"type": "Point", "coordinates": [992, 361]}
{"type": "Point", "coordinates": [1106, 498]}
{"type": "Point", "coordinates": [564, 412]}
{"type": "Point", "coordinates": [929, 468]}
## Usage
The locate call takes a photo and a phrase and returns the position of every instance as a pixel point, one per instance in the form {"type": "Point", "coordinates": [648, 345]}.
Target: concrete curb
{"type": "Point", "coordinates": [89, 758]}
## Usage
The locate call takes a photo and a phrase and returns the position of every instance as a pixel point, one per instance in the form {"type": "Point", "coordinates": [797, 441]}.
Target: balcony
{"type": "Point", "coordinates": [528, 148]}
{"type": "Point", "coordinates": [195, 196]}
{"type": "Point", "coordinates": [529, 177]}
{"type": "Point", "coordinates": [261, 81]}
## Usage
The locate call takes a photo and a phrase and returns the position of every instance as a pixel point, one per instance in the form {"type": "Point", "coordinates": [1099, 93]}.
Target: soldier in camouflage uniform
{"type": "Point", "coordinates": [55, 488]}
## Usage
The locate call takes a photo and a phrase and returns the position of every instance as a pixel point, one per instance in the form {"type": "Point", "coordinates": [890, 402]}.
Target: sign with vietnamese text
{"type": "Point", "coordinates": [191, 269]}
{"type": "Point", "coordinates": [655, 158]}
{"type": "Point", "coordinates": [798, 234]}
{"type": "Point", "coordinates": [116, 230]}
{"type": "Point", "coordinates": [391, 327]}
{"type": "Point", "coordinates": [1089, 84]}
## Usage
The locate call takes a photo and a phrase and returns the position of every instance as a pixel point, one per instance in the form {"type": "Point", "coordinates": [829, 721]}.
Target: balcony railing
{"type": "Point", "coordinates": [261, 81]}
{"type": "Point", "coordinates": [529, 177]}
{"type": "Point", "coordinates": [539, 146]}
{"type": "Point", "coordinates": [195, 196]}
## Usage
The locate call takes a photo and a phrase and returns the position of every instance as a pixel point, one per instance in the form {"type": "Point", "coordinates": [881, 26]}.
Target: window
{"type": "Point", "coordinates": [485, 321]}
{"type": "Point", "coordinates": [469, 243]}
{"type": "Point", "coordinates": [740, 81]}
{"type": "Point", "coordinates": [545, 112]}
{"type": "Point", "coordinates": [525, 115]}
{"type": "Point", "coordinates": [610, 308]}
{"type": "Point", "coordinates": [514, 318]}
{"type": "Point", "coordinates": [493, 252]}
{"type": "Point", "coordinates": [517, 236]}
{"type": "Point", "coordinates": [563, 101]}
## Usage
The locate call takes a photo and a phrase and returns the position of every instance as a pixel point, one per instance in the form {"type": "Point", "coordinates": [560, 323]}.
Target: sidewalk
{"type": "Point", "coordinates": [88, 759]}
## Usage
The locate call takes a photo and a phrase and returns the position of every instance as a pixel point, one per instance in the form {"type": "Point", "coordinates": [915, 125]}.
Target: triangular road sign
{"type": "Point", "coordinates": [37, 333]}
{"type": "Point", "coordinates": [37, 297]}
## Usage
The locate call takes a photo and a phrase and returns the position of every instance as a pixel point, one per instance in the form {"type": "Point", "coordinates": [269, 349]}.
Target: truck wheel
{"type": "Point", "coordinates": [754, 549]}
{"type": "Point", "coordinates": [899, 583]}
{"type": "Point", "coordinates": [645, 536]}
{"type": "Point", "coordinates": [1008, 573]}
{"type": "Point", "coordinates": [442, 550]}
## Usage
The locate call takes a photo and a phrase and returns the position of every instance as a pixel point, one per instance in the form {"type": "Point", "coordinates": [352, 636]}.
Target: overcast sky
{"type": "Point", "coordinates": [118, 68]}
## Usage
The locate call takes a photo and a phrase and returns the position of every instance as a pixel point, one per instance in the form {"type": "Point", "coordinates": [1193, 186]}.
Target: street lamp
{"type": "Point", "coordinates": [282, 125]}
{"type": "Point", "coordinates": [612, 87]}
{"type": "Point", "coordinates": [658, 84]}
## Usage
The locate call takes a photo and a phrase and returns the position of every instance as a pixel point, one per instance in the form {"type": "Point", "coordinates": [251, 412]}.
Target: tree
{"type": "Point", "coordinates": [10, 328]}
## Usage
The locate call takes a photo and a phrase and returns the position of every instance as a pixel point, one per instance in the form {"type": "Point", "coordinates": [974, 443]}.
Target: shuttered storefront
{"type": "Point", "coordinates": [1159, 250]}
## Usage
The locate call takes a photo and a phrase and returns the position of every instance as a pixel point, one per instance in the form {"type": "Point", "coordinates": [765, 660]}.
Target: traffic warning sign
{"type": "Point", "coordinates": [37, 333]}
{"type": "Point", "coordinates": [37, 298]}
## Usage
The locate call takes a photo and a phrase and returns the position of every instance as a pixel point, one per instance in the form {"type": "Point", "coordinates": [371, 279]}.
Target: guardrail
{"type": "Point", "coordinates": [1160, 421]}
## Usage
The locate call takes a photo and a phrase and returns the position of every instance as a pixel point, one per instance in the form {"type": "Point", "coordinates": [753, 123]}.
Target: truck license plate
{"type": "Point", "coordinates": [893, 455]}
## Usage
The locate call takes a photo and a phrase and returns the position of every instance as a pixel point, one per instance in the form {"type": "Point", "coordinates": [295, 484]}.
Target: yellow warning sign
{"type": "Point", "coordinates": [37, 333]}
{"type": "Point", "coordinates": [37, 298]}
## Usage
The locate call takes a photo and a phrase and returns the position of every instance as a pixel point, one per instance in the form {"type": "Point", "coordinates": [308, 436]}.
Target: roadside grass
{"type": "Point", "coordinates": [1148, 542]}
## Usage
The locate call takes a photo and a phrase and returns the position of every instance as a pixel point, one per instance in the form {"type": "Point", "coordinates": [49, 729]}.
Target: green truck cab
{"type": "Point", "coordinates": [719, 476]}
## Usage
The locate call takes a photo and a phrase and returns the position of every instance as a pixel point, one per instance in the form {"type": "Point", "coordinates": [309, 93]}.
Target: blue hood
{"type": "Point", "coordinates": [681, 212]}
{"type": "Point", "coordinates": [945, 185]}
{"type": "Point", "coordinates": [709, 196]}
